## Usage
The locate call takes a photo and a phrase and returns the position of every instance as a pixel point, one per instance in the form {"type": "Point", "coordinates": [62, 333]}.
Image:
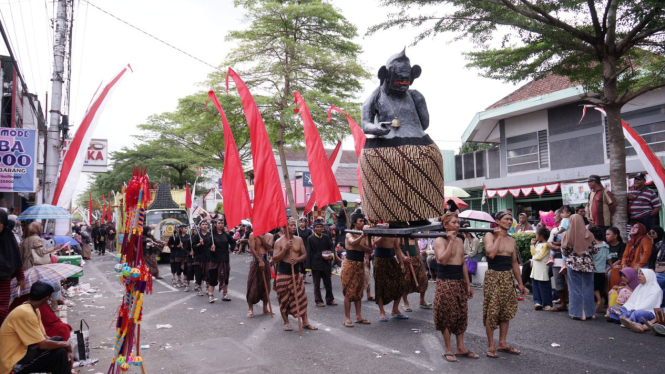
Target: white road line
{"type": "Point", "coordinates": [167, 307]}
{"type": "Point", "coordinates": [166, 285]}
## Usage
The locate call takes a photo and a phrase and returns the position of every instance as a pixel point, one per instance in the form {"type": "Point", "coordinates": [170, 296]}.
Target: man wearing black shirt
{"type": "Point", "coordinates": [317, 244]}
{"type": "Point", "coordinates": [303, 232]}
{"type": "Point", "coordinates": [342, 219]}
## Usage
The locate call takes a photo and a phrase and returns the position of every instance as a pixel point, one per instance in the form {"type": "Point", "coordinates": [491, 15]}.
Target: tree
{"type": "Point", "coordinates": [614, 49]}
{"type": "Point", "coordinates": [469, 147]}
{"type": "Point", "coordinates": [296, 45]}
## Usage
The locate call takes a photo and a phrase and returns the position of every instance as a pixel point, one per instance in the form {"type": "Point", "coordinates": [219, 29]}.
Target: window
{"type": "Point", "coordinates": [523, 159]}
{"type": "Point", "coordinates": [543, 148]}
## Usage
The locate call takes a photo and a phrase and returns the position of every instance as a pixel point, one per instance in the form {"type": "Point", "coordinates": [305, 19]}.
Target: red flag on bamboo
{"type": "Point", "coordinates": [188, 197]}
{"type": "Point", "coordinates": [110, 210]}
{"type": "Point", "coordinates": [359, 139]}
{"type": "Point", "coordinates": [237, 205]}
{"type": "Point", "coordinates": [323, 179]}
{"type": "Point", "coordinates": [333, 162]}
{"type": "Point", "coordinates": [90, 208]}
{"type": "Point", "coordinates": [269, 205]}
{"type": "Point", "coordinates": [101, 220]}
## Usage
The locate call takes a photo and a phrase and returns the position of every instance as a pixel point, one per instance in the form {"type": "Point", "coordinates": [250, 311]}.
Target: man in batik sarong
{"type": "Point", "coordinates": [500, 303]}
{"type": "Point", "coordinates": [452, 289]}
{"type": "Point", "coordinates": [353, 270]}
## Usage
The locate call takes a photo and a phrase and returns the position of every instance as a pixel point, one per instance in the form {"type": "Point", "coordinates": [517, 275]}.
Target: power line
{"type": "Point", "coordinates": [80, 68]}
{"type": "Point", "coordinates": [154, 37]}
{"type": "Point", "coordinates": [32, 74]}
{"type": "Point", "coordinates": [34, 39]}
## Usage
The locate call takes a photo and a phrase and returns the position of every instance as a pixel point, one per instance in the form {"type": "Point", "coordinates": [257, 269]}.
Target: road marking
{"type": "Point", "coordinates": [165, 285]}
{"type": "Point", "coordinates": [167, 307]}
{"type": "Point", "coordinates": [167, 291]}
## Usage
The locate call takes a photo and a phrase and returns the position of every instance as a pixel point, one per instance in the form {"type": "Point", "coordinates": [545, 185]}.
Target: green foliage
{"type": "Point", "coordinates": [523, 242]}
{"type": "Point", "coordinates": [597, 44]}
{"type": "Point", "coordinates": [219, 207]}
{"type": "Point", "coordinates": [469, 147]}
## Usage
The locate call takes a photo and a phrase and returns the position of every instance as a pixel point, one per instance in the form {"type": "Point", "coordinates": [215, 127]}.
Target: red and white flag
{"type": "Point", "coordinates": [72, 164]}
{"type": "Point", "coordinates": [649, 160]}
{"type": "Point", "coordinates": [482, 202]}
{"type": "Point", "coordinates": [333, 161]}
{"type": "Point", "coordinates": [323, 179]}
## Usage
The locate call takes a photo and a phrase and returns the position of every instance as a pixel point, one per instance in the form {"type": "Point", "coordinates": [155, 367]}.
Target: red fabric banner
{"type": "Point", "coordinates": [235, 195]}
{"type": "Point", "coordinates": [103, 217]}
{"type": "Point", "coordinates": [323, 179]}
{"type": "Point", "coordinates": [90, 208]}
{"type": "Point", "coordinates": [539, 190]}
{"type": "Point", "coordinates": [527, 190]}
{"type": "Point", "coordinates": [269, 207]}
{"type": "Point", "coordinates": [110, 210]}
{"type": "Point", "coordinates": [359, 139]}
{"type": "Point", "coordinates": [188, 197]}
{"type": "Point", "coordinates": [515, 192]}
{"type": "Point", "coordinates": [491, 193]}
{"type": "Point", "coordinates": [502, 193]}
{"type": "Point", "coordinates": [331, 162]}
{"type": "Point", "coordinates": [552, 187]}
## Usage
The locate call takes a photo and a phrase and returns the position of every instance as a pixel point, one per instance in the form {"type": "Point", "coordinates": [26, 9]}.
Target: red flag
{"type": "Point", "coordinates": [188, 197]}
{"type": "Point", "coordinates": [90, 208]}
{"type": "Point", "coordinates": [333, 163]}
{"type": "Point", "coordinates": [323, 178]}
{"type": "Point", "coordinates": [110, 211]}
{"type": "Point", "coordinates": [359, 139]}
{"type": "Point", "coordinates": [237, 205]}
{"type": "Point", "coordinates": [101, 220]}
{"type": "Point", "coordinates": [269, 208]}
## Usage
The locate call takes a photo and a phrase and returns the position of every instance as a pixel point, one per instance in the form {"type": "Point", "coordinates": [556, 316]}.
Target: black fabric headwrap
{"type": "Point", "coordinates": [500, 214]}
{"type": "Point", "coordinates": [10, 256]}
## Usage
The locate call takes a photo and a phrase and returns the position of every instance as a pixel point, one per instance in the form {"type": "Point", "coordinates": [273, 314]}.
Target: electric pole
{"type": "Point", "coordinates": [53, 139]}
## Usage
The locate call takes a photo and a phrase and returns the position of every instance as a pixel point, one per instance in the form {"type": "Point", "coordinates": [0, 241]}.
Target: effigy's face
{"type": "Point", "coordinates": [400, 76]}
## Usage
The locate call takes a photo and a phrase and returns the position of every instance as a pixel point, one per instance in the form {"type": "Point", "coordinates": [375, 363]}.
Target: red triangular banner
{"type": "Point", "coordinates": [552, 187]}
{"type": "Point", "coordinates": [526, 191]}
{"type": "Point", "coordinates": [539, 190]}
{"type": "Point", "coordinates": [515, 192]}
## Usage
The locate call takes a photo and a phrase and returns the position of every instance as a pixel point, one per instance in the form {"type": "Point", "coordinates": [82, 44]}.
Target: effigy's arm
{"type": "Point", "coordinates": [421, 108]}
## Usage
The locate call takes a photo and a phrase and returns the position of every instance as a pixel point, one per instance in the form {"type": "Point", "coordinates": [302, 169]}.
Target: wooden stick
{"type": "Point", "coordinates": [295, 291]}
{"type": "Point", "coordinates": [413, 272]}
{"type": "Point", "coordinates": [265, 284]}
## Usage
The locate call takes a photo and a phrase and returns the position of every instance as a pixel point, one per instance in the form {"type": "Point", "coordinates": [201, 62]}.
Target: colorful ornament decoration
{"type": "Point", "coordinates": [135, 275]}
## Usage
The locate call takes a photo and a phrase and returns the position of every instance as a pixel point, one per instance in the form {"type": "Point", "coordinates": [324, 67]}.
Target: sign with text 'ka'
{"type": "Point", "coordinates": [18, 161]}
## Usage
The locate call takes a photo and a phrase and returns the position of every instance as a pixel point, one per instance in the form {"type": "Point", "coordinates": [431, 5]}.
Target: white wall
{"type": "Point", "coordinates": [649, 99]}
{"type": "Point", "coordinates": [526, 123]}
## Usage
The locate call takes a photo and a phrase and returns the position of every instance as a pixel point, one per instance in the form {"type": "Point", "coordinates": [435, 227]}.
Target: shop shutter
{"type": "Point", "coordinates": [543, 147]}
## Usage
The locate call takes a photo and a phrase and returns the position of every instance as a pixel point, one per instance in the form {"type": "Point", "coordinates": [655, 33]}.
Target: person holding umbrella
{"type": "Point", "coordinates": [11, 265]}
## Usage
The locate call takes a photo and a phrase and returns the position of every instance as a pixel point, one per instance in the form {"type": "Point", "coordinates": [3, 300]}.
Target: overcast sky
{"type": "Point", "coordinates": [162, 75]}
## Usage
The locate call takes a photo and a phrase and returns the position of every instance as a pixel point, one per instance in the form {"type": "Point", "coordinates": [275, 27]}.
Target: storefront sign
{"type": "Point", "coordinates": [578, 193]}
{"type": "Point", "coordinates": [18, 161]}
{"type": "Point", "coordinates": [96, 157]}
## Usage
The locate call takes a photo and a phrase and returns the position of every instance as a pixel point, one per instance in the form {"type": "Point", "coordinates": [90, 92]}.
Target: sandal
{"type": "Point", "coordinates": [348, 324]}
{"type": "Point", "coordinates": [310, 327]}
{"type": "Point", "coordinates": [408, 309]}
{"type": "Point", "coordinates": [363, 322]}
{"type": "Point", "coordinates": [226, 298]}
{"type": "Point", "coordinates": [468, 354]}
{"type": "Point", "coordinates": [371, 298]}
{"type": "Point", "coordinates": [384, 319]}
{"type": "Point", "coordinates": [426, 306]}
{"type": "Point", "coordinates": [399, 316]}
{"type": "Point", "coordinates": [250, 315]}
{"type": "Point", "coordinates": [510, 350]}
{"type": "Point", "coordinates": [320, 305]}
{"type": "Point", "coordinates": [288, 328]}
{"type": "Point", "coordinates": [333, 303]}
{"type": "Point", "coordinates": [211, 299]}
{"type": "Point", "coordinates": [449, 357]}
{"type": "Point", "coordinates": [492, 354]}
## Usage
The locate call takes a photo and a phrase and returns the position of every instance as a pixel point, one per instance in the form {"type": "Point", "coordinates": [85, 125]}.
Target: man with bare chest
{"type": "Point", "coordinates": [388, 276]}
{"type": "Point", "coordinates": [452, 289]}
{"type": "Point", "coordinates": [289, 252]}
{"type": "Point", "coordinates": [259, 272]}
{"type": "Point", "coordinates": [500, 303]}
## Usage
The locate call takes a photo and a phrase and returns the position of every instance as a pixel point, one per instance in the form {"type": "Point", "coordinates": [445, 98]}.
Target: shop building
{"type": "Point", "coordinates": [541, 143]}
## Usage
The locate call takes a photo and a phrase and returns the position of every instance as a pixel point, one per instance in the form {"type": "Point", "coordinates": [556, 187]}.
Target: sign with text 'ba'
{"type": "Point", "coordinates": [18, 161]}
{"type": "Point", "coordinates": [96, 157]}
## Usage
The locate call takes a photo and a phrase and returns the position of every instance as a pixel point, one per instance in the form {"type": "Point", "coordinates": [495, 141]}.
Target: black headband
{"type": "Point", "coordinates": [501, 214]}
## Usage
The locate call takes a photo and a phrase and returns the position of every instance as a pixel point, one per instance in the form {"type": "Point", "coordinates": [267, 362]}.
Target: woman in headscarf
{"type": "Point", "coordinates": [638, 249]}
{"type": "Point", "coordinates": [579, 246]}
{"type": "Point", "coordinates": [656, 234]}
{"type": "Point", "coordinates": [617, 248]}
{"type": "Point", "coordinates": [11, 265]}
{"type": "Point", "coordinates": [620, 293]}
{"type": "Point", "coordinates": [641, 304]}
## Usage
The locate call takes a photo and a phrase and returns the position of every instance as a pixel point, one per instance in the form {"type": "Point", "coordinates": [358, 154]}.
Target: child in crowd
{"type": "Point", "coordinates": [540, 277]}
{"type": "Point", "coordinates": [602, 261]}
{"type": "Point", "coordinates": [566, 212]}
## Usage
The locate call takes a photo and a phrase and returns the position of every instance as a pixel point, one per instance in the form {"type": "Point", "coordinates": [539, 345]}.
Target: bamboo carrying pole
{"type": "Point", "coordinates": [265, 284]}
{"type": "Point", "coordinates": [293, 279]}
{"type": "Point", "coordinates": [408, 256]}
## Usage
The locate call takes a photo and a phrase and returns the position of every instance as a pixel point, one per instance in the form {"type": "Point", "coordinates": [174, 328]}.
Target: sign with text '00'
{"type": "Point", "coordinates": [96, 156]}
{"type": "Point", "coordinates": [18, 161]}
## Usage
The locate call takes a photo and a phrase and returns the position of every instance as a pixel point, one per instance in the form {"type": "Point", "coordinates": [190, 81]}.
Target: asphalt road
{"type": "Point", "coordinates": [222, 339]}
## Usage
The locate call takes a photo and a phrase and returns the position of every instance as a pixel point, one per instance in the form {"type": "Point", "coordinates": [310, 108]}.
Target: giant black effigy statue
{"type": "Point", "coordinates": [401, 167]}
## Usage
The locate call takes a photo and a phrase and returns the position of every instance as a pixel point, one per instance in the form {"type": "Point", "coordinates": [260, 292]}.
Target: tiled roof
{"type": "Point", "coordinates": [547, 85]}
{"type": "Point", "coordinates": [163, 199]}
{"type": "Point", "coordinates": [348, 155]}
{"type": "Point", "coordinates": [346, 176]}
